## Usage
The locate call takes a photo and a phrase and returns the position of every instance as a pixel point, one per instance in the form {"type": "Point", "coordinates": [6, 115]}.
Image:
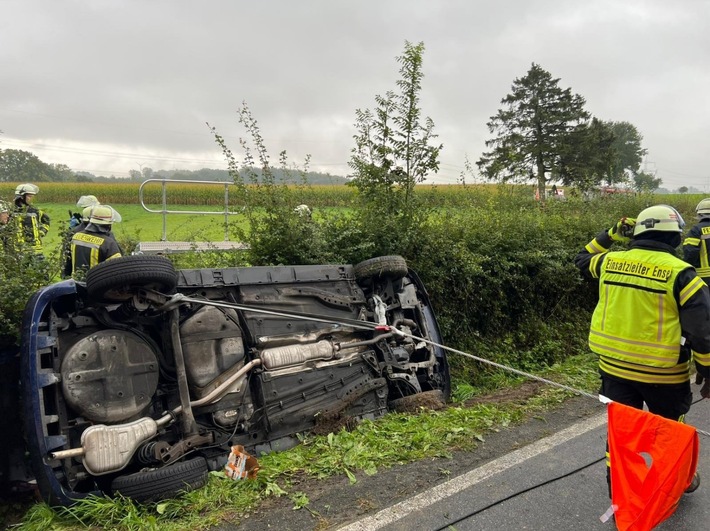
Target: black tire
{"type": "Point", "coordinates": [392, 266]}
{"type": "Point", "coordinates": [115, 280]}
{"type": "Point", "coordinates": [162, 483]}
{"type": "Point", "coordinates": [412, 403]}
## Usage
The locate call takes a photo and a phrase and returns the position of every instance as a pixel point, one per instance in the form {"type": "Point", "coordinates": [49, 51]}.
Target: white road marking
{"type": "Point", "coordinates": [457, 484]}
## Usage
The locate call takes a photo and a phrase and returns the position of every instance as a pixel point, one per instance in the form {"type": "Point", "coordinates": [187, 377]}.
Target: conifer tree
{"type": "Point", "coordinates": [532, 130]}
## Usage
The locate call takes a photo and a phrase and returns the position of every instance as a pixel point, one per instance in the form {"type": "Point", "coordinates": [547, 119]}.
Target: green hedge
{"type": "Point", "coordinates": [499, 270]}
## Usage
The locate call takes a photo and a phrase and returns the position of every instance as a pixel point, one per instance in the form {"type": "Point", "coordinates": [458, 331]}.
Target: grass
{"type": "Point", "coordinates": [368, 449]}
{"type": "Point", "coordinates": [141, 225]}
{"type": "Point", "coordinates": [392, 440]}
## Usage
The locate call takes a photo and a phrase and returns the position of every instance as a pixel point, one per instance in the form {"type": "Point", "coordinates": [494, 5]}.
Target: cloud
{"type": "Point", "coordinates": [109, 85]}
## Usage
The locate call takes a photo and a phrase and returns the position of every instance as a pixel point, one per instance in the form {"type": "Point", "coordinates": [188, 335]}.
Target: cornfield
{"type": "Point", "coordinates": [181, 193]}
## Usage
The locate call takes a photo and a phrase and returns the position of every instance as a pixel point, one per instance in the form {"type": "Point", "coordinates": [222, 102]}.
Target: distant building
{"type": "Point", "coordinates": [614, 190]}
{"type": "Point", "coordinates": [551, 192]}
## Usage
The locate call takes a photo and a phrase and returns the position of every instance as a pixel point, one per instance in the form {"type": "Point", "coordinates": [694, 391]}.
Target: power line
{"type": "Point", "coordinates": [134, 127]}
{"type": "Point", "coordinates": [446, 174]}
{"type": "Point", "coordinates": [137, 156]}
{"type": "Point", "coordinates": [661, 170]}
{"type": "Point", "coordinates": [85, 151]}
{"type": "Point", "coordinates": [131, 126]}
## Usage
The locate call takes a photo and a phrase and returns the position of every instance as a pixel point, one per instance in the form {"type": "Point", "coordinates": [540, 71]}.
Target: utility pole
{"type": "Point", "coordinates": [140, 165]}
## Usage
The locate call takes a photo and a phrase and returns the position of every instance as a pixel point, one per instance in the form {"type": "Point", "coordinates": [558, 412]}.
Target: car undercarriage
{"type": "Point", "coordinates": [140, 380]}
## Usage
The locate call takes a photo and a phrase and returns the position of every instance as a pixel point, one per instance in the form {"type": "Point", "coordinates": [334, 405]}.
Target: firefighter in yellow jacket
{"type": "Point", "coordinates": [696, 247]}
{"type": "Point", "coordinates": [653, 309]}
{"type": "Point", "coordinates": [33, 222]}
{"type": "Point", "coordinates": [96, 243]}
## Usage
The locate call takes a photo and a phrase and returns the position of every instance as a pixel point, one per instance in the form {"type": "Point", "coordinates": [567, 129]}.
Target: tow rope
{"type": "Point", "coordinates": [180, 298]}
{"type": "Point", "coordinates": [601, 398]}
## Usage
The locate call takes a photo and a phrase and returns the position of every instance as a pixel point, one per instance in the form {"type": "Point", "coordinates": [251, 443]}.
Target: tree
{"type": "Point", "coordinates": [83, 178]}
{"type": "Point", "coordinates": [61, 172]}
{"type": "Point", "coordinates": [599, 152]}
{"type": "Point", "coordinates": [277, 231]}
{"type": "Point", "coordinates": [22, 166]}
{"type": "Point", "coordinates": [18, 166]}
{"type": "Point", "coordinates": [683, 190]}
{"type": "Point", "coordinates": [586, 155]}
{"type": "Point", "coordinates": [393, 148]}
{"type": "Point", "coordinates": [394, 151]}
{"type": "Point", "coordinates": [646, 182]}
{"type": "Point", "coordinates": [533, 130]}
{"type": "Point", "coordinates": [627, 152]}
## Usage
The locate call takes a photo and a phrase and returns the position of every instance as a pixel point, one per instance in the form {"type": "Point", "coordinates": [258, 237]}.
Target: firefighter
{"type": "Point", "coordinates": [8, 234]}
{"type": "Point", "coordinates": [303, 211]}
{"type": "Point", "coordinates": [695, 246]}
{"type": "Point", "coordinates": [81, 219]}
{"type": "Point", "coordinates": [696, 250]}
{"type": "Point", "coordinates": [652, 310]}
{"type": "Point", "coordinates": [85, 216]}
{"type": "Point", "coordinates": [4, 213]}
{"type": "Point", "coordinates": [94, 244]}
{"type": "Point", "coordinates": [34, 223]}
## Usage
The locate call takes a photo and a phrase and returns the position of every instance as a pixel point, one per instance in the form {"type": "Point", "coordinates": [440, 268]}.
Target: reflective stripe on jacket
{"type": "Point", "coordinates": [696, 250]}
{"type": "Point", "coordinates": [34, 225]}
{"type": "Point", "coordinates": [636, 287]}
{"type": "Point", "coordinates": [693, 304]}
{"type": "Point", "coordinates": [91, 248]}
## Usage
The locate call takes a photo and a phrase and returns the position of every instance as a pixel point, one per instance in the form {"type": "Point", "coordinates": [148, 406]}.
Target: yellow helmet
{"type": "Point", "coordinates": [703, 208]}
{"type": "Point", "coordinates": [659, 218]}
{"type": "Point", "coordinates": [104, 215]}
{"type": "Point", "coordinates": [86, 213]}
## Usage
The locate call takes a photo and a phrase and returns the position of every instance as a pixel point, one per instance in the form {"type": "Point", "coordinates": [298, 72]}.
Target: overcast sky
{"type": "Point", "coordinates": [113, 86]}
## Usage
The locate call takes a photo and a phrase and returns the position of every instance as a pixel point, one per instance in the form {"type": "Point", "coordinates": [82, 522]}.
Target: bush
{"type": "Point", "coordinates": [501, 275]}
{"type": "Point", "coordinates": [22, 272]}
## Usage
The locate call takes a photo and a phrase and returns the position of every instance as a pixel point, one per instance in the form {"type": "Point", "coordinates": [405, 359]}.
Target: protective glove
{"type": "Point", "coordinates": [705, 389]}
{"type": "Point", "coordinates": [623, 230]}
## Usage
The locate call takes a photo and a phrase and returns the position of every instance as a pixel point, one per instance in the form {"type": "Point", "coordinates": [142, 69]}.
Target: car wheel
{"type": "Point", "coordinates": [393, 267]}
{"type": "Point", "coordinates": [412, 403]}
{"type": "Point", "coordinates": [162, 483]}
{"type": "Point", "coordinates": [115, 280]}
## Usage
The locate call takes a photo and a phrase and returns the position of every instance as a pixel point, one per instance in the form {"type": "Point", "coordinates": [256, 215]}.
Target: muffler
{"type": "Point", "coordinates": [107, 449]}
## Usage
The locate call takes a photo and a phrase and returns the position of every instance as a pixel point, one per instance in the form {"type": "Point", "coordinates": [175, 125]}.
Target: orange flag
{"type": "Point", "coordinates": [653, 460]}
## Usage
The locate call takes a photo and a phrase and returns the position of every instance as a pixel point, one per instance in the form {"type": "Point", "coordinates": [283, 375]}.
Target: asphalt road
{"type": "Point", "coordinates": [511, 493]}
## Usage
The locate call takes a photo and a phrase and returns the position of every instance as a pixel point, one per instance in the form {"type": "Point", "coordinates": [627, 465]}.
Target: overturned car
{"type": "Point", "coordinates": [140, 380]}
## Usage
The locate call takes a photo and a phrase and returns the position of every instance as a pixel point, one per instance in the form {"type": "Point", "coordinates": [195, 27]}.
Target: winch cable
{"type": "Point", "coordinates": [365, 325]}
{"type": "Point", "coordinates": [516, 371]}
{"type": "Point", "coordinates": [179, 298]}
{"type": "Point", "coordinates": [449, 525]}
{"type": "Point", "coordinates": [500, 366]}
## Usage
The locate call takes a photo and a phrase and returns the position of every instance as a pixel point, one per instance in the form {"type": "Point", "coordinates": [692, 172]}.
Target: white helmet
{"type": "Point", "coordinates": [87, 201]}
{"type": "Point", "coordinates": [659, 218]}
{"type": "Point", "coordinates": [703, 208]}
{"type": "Point", "coordinates": [27, 188]}
{"type": "Point", "coordinates": [302, 210]}
{"type": "Point", "coordinates": [104, 215]}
